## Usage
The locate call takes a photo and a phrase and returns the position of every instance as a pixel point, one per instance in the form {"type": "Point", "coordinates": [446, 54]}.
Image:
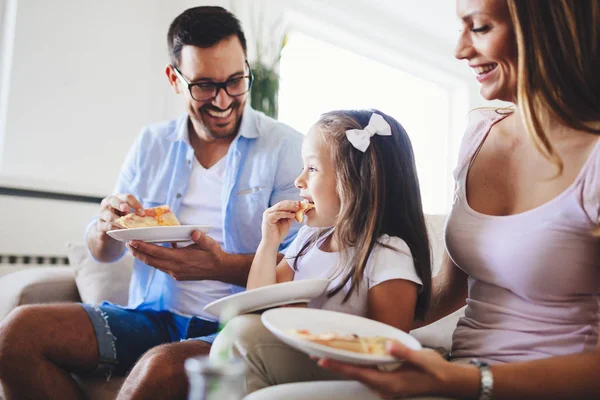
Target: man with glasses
{"type": "Point", "coordinates": [220, 164]}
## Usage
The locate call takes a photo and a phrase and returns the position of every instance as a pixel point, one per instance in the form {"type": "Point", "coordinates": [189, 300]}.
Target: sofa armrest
{"type": "Point", "coordinates": [37, 285]}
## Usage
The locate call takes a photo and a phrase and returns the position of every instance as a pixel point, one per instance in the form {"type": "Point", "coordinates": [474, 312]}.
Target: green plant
{"type": "Point", "coordinates": [265, 88]}
{"type": "Point", "coordinates": [269, 34]}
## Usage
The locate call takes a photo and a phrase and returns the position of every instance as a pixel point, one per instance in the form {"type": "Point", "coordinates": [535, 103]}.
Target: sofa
{"type": "Point", "coordinates": [91, 282]}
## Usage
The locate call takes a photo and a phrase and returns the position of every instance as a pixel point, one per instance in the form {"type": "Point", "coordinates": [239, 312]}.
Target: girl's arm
{"type": "Point", "coordinates": [393, 302]}
{"type": "Point", "coordinates": [262, 272]}
{"type": "Point", "coordinates": [284, 272]}
{"type": "Point", "coordinates": [449, 292]}
{"type": "Point", "coordinates": [265, 269]}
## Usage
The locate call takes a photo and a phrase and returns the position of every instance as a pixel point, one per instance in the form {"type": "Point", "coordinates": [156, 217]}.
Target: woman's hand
{"type": "Point", "coordinates": [277, 221]}
{"type": "Point", "coordinates": [424, 372]}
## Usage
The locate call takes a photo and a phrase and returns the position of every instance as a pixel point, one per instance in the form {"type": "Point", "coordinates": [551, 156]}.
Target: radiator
{"type": "Point", "coordinates": [8, 260]}
{"type": "Point", "coordinates": [10, 263]}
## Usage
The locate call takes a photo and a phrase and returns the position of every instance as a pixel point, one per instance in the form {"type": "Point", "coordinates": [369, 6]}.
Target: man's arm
{"type": "Point", "coordinates": [101, 246]}
{"type": "Point", "coordinates": [234, 268]}
{"type": "Point", "coordinates": [203, 260]}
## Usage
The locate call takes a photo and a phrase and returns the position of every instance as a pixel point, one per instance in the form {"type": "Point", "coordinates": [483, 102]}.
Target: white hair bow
{"type": "Point", "coordinates": [361, 138]}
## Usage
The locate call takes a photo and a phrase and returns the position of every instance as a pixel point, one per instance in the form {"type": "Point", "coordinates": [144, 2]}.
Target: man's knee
{"type": "Point", "coordinates": [18, 326]}
{"type": "Point", "coordinates": [166, 362]}
{"type": "Point", "coordinates": [156, 364]}
{"type": "Point", "coordinates": [16, 330]}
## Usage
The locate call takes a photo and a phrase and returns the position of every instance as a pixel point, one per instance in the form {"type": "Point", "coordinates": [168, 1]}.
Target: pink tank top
{"type": "Point", "coordinates": [534, 277]}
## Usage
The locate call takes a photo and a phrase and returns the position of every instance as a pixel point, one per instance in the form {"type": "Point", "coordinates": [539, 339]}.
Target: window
{"type": "Point", "coordinates": [317, 77]}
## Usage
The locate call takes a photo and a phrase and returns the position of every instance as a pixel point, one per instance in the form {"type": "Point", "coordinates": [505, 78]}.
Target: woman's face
{"type": "Point", "coordinates": [487, 42]}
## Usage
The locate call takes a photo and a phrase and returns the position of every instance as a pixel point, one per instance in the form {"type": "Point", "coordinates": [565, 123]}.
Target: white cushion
{"type": "Point", "coordinates": [435, 231]}
{"type": "Point", "coordinates": [98, 282]}
{"type": "Point", "coordinates": [439, 334]}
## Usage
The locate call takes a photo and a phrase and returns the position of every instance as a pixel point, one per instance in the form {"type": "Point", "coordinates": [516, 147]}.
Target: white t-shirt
{"type": "Point", "coordinates": [201, 205]}
{"type": "Point", "coordinates": [384, 264]}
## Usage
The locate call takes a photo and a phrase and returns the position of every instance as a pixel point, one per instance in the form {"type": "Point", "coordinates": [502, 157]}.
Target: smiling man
{"type": "Point", "coordinates": [220, 164]}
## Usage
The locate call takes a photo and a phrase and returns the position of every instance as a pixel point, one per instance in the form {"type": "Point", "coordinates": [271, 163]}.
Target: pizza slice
{"type": "Point", "coordinates": [156, 216]}
{"type": "Point", "coordinates": [374, 345]}
{"type": "Point", "coordinates": [305, 205]}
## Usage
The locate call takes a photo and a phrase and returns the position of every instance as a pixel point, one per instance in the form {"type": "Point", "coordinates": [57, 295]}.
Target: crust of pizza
{"type": "Point", "coordinates": [374, 345]}
{"type": "Point", "coordinates": [305, 205]}
{"type": "Point", "coordinates": [156, 216]}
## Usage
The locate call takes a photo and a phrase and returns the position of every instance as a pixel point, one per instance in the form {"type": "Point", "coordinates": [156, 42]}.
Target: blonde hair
{"type": "Point", "coordinates": [559, 65]}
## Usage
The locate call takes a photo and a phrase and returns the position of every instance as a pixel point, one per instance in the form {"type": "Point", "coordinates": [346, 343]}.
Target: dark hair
{"type": "Point", "coordinates": [379, 194]}
{"type": "Point", "coordinates": [202, 27]}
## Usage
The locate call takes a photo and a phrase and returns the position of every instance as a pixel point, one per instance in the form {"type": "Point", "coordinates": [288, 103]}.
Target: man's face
{"type": "Point", "coordinates": [219, 117]}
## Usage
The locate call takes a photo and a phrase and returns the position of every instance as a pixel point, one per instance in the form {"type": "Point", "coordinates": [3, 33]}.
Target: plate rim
{"type": "Point", "coordinates": [158, 227]}
{"type": "Point", "coordinates": [358, 358]}
{"type": "Point", "coordinates": [116, 235]}
{"type": "Point", "coordinates": [263, 288]}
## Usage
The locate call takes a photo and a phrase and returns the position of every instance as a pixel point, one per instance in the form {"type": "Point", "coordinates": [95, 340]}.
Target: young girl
{"type": "Point", "coordinates": [366, 231]}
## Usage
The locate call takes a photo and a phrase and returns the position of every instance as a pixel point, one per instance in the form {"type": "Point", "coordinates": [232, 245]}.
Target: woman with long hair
{"type": "Point", "coordinates": [521, 236]}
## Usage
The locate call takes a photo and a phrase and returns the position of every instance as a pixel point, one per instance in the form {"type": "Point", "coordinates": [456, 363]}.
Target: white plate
{"type": "Point", "coordinates": [301, 291]}
{"type": "Point", "coordinates": [278, 321]}
{"type": "Point", "coordinates": [158, 234]}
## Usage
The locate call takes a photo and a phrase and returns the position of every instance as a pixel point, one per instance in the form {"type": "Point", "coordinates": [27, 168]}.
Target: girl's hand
{"type": "Point", "coordinates": [277, 221]}
{"type": "Point", "coordinates": [424, 372]}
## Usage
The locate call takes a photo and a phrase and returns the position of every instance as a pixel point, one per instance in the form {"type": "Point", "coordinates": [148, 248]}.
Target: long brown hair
{"type": "Point", "coordinates": [559, 65]}
{"type": "Point", "coordinates": [379, 194]}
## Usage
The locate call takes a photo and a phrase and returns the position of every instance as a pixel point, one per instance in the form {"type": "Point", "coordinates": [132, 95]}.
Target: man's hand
{"type": "Point", "coordinates": [202, 260]}
{"type": "Point", "coordinates": [103, 247]}
{"type": "Point", "coordinates": [114, 207]}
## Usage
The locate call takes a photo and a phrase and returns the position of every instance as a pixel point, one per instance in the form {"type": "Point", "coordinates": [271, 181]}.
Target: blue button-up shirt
{"type": "Point", "coordinates": [261, 165]}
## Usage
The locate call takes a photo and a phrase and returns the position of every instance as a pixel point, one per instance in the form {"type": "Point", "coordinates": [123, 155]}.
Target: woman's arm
{"type": "Point", "coordinates": [567, 377]}
{"type": "Point", "coordinates": [393, 302]}
{"type": "Point", "coordinates": [425, 372]}
{"type": "Point", "coordinates": [449, 292]}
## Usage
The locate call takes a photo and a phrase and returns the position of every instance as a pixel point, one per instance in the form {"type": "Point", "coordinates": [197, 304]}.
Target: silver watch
{"type": "Point", "coordinates": [487, 380]}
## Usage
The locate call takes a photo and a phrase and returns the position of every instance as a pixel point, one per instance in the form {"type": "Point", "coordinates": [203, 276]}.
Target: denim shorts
{"type": "Point", "coordinates": [124, 335]}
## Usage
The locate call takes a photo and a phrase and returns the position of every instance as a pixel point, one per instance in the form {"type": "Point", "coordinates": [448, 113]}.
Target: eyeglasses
{"type": "Point", "coordinates": [203, 91]}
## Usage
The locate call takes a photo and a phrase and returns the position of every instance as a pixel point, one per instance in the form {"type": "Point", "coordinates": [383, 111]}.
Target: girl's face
{"type": "Point", "coordinates": [487, 41]}
{"type": "Point", "coordinates": [317, 182]}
